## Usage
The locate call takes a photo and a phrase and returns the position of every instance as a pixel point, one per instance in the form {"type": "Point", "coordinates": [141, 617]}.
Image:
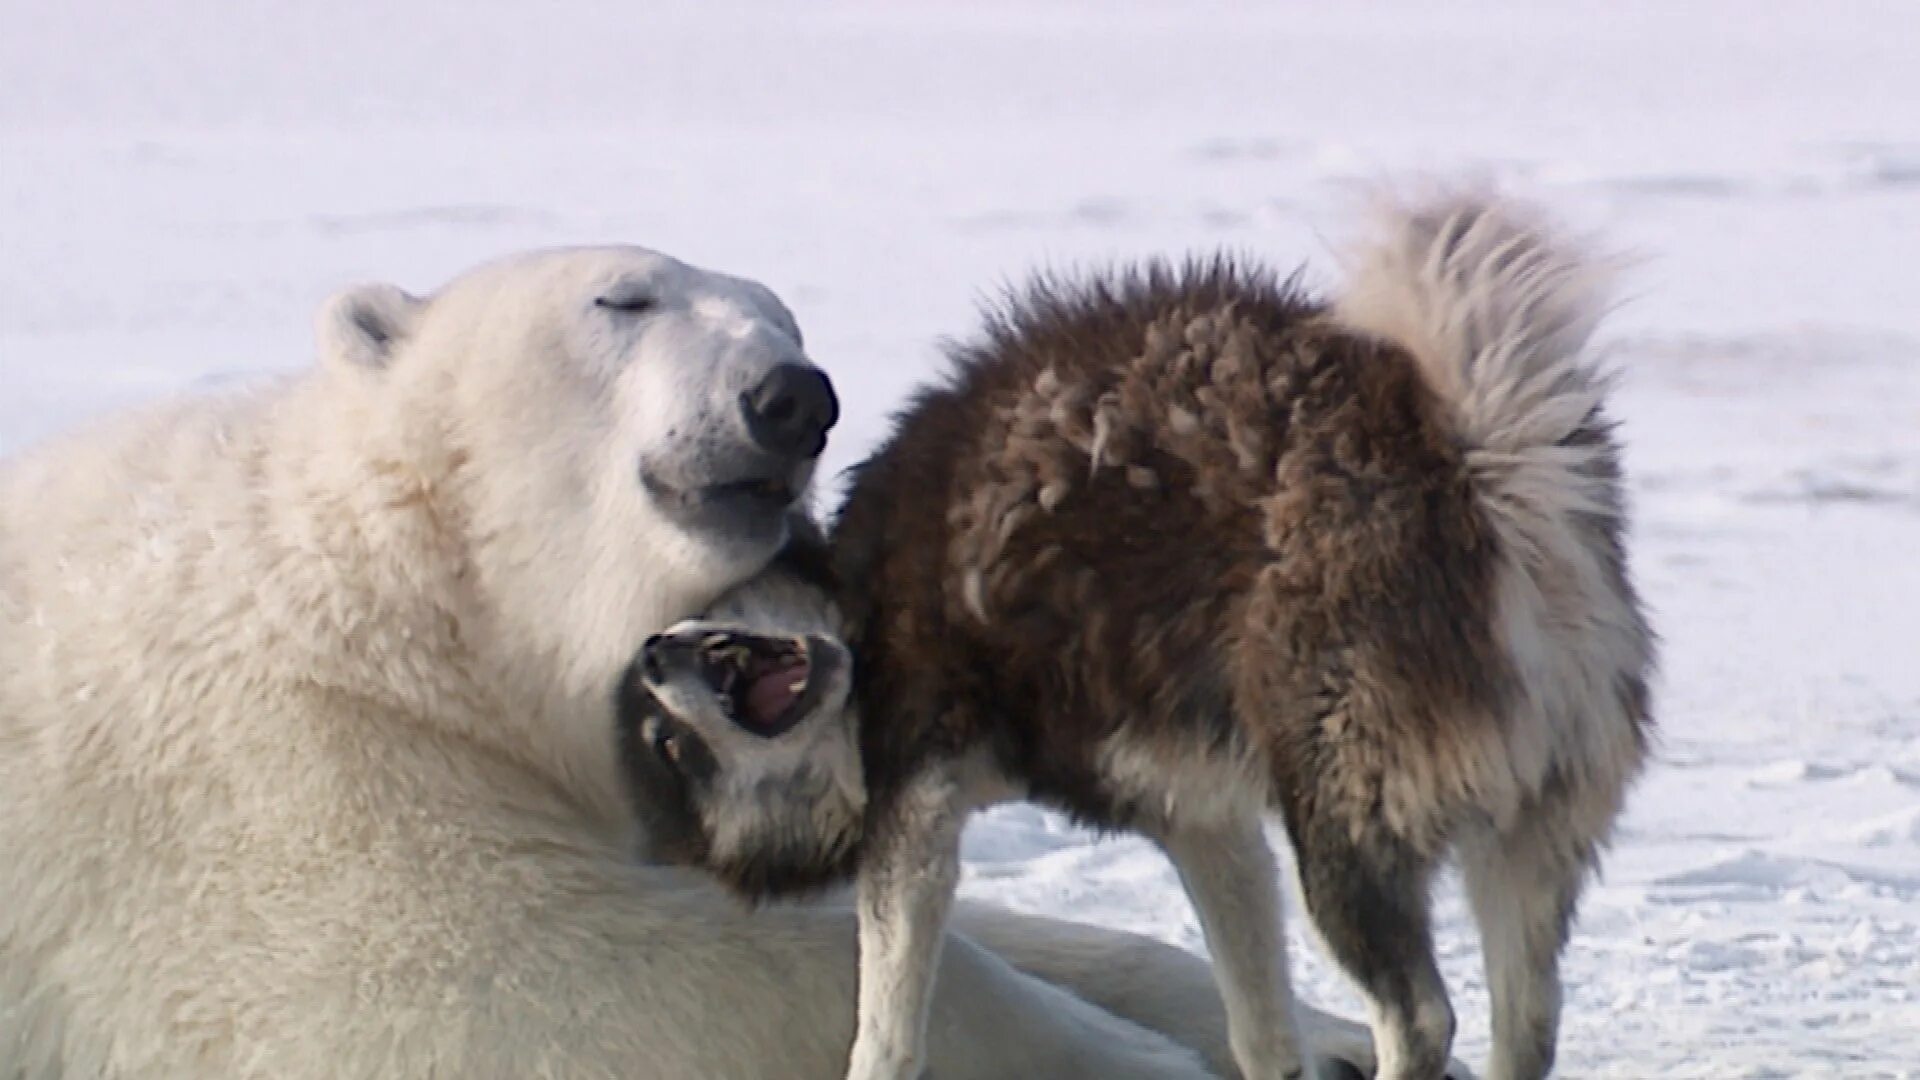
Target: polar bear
{"type": "Point", "coordinates": [307, 764]}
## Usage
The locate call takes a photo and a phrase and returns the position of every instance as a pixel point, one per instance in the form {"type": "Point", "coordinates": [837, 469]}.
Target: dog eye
{"type": "Point", "coordinates": [666, 742]}
{"type": "Point", "coordinates": [627, 301]}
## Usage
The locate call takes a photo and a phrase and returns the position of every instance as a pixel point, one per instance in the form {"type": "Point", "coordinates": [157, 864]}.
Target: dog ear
{"type": "Point", "coordinates": [661, 799]}
{"type": "Point", "coordinates": [361, 327]}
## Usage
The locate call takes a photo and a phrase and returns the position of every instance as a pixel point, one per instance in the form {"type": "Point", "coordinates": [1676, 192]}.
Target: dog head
{"type": "Point", "coordinates": [740, 741]}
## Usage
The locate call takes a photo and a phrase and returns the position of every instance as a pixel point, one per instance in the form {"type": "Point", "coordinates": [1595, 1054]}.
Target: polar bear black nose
{"type": "Point", "coordinates": [790, 411]}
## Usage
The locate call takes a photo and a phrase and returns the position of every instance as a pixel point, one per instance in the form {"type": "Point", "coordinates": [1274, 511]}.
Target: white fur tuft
{"type": "Point", "coordinates": [1496, 308]}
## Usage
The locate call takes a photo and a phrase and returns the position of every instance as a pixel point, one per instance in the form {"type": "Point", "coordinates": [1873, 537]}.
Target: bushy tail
{"type": "Point", "coordinates": [1497, 309]}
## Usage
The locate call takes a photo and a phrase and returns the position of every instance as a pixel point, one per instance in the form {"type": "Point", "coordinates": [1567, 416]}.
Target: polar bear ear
{"type": "Point", "coordinates": [361, 327]}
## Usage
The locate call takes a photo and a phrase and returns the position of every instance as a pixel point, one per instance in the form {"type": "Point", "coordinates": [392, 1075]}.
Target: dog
{"type": "Point", "coordinates": [1176, 548]}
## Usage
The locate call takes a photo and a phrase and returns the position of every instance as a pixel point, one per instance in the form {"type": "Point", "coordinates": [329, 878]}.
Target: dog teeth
{"type": "Point", "coordinates": [720, 648]}
{"type": "Point", "coordinates": [797, 685]}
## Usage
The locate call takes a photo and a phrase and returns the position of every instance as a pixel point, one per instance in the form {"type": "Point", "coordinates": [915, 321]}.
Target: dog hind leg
{"type": "Point", "coordinates": [1366, 890]}
{"type": "Point", "coordinates": [1230, 874]}
{"type": "Point", "coordinates": [1523, 885]}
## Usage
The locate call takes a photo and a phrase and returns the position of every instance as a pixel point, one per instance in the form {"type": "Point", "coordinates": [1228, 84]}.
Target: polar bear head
{"type": "Point", "coordinates": [610, 436]}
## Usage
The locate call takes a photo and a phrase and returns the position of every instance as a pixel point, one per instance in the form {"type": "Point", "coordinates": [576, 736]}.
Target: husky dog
{"type": "Point", "coordinates": [1177, 548]}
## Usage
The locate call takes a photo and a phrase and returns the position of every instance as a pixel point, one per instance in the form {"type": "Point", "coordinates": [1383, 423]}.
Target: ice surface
{"type": "Point", "coordinates": [181, 184]}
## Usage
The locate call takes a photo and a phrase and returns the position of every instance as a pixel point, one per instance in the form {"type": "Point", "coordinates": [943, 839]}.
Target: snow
{"type": "Point", "coordinates": [182, 185]}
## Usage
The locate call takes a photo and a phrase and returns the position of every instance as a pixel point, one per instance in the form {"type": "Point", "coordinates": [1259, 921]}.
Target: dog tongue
{"type": "Point", "coordinates": [773, 692]}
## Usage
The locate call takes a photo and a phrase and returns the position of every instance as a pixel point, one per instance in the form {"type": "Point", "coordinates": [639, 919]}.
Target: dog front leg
{"type": "Point", "coordinates": [1230, 875]}
{"type": "Point", "coordinates": [909, 870]}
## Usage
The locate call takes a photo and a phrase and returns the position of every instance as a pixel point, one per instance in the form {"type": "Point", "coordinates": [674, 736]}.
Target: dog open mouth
{"type": "Point", "coordinates": [761, 682]}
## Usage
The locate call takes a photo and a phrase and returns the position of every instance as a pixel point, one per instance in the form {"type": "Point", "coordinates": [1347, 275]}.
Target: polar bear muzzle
{"type": "Point", "coordinates": [744, 489]}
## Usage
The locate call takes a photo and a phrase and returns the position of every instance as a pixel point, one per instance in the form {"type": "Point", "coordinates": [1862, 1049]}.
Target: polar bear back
{"type": "Point", "coordinates": [162, 728]}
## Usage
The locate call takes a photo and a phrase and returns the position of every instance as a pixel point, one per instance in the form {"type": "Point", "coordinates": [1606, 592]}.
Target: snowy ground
{"type": "Point", "coordinates": [181, 184]}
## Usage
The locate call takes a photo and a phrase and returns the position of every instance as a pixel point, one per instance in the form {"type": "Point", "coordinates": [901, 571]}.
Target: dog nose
{"type": "Point", "coordinates": [791, 410]}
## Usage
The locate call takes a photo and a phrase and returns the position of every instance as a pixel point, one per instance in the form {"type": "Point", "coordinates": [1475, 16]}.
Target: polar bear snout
{"type": "Point", "coordinates": [791, 410]}
{"type": "Point", "coordinates": [751, 464]}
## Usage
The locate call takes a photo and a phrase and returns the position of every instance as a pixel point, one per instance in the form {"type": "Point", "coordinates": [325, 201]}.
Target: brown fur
{"type": "Point", "coordinates": [1184, 506]}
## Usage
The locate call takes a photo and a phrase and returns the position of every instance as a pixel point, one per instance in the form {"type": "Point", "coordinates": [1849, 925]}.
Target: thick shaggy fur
{"type": "Point", "coordinates": [307, 767]}
{"type": "Point", "coordinates": [1178, 547]}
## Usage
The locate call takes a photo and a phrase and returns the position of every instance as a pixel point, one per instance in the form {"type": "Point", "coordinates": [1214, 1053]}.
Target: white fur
{"type": "Point", "coordinates": [1179, 780]}
{"type": "Point", "coordinates": [1516, 896]}
{"type": "Point", "coordinates": [306, 762]}
{"type": "Point", "coordinates": [907, 880]}
{"type": "Point", "coordinates": [1233, 881]}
